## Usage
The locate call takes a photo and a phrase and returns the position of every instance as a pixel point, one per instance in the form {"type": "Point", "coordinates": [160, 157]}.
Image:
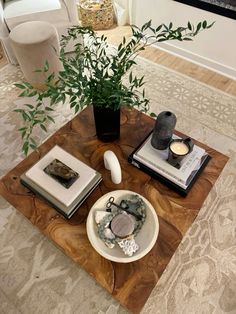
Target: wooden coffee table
{"type": "Point", "coordinates": [131, 284]}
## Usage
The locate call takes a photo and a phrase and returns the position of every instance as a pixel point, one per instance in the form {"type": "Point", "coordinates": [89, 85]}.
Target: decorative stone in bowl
{"type": "Point", "coordinates": [144, 230]}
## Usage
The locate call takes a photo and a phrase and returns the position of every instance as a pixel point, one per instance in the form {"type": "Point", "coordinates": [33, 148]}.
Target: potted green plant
{"type": "Point", "coordinates": [94, 75]}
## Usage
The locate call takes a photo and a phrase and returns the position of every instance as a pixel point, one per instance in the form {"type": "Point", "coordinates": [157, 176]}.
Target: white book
{"type": "Point", "coordinates": [65, 196]}
{"type": "Point", "coordinates": [66, 211]}
{"type": "Point", "coordinates": [157, 161]}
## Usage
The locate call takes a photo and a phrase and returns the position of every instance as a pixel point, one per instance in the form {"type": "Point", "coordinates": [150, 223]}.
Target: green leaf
{"type": "Point", "coordinates": [73, 98]}
{"type": "Point", "coordinates": [25, 93]}
{"type": "Point", "coordinates": [34, 147]}
{"type": "Point", "coordinates": [158, 28]}
{"type": "Point", "coordinates": [77, 108]}
{"type": "Point", "coordinates": [51, 119]}
{"type": "Point", "coordinates": [32, 141]}
{"type": "Point", "coordinates": [50, 78]}
{"type": "Point", "coordinates": [189, 26]}
{"type": "Point", "coordinates": [25, 147]}
{"type": "Point", "coordinates": [162, 39]}
{"type": "Point", "coordinates": [28, 85]}
{"type": "Point", "coordinates": [46, 67]}
{"type": "Point", "coordinates": [43, 127]}
{"type": "Point", "coordinates": [204, 24]}
{"type": "Point", "coordinates": [209, 26]}
{"type": "Point", "coordinates": [38, 70]}
{"type": "Point", "coordinates": [40, 111]}
{"type": "Point", "coordinates": [36, 122]}
{"type": "Point", "coordinates": [32, 113]}
{"type": "Point", "coordinates": [29, 106]}
{"type": "Point", "coordinates": [18, 110]}
{"type": "Point", "coordinates": [153, 115]}
{"type": "Point", "coordinates": [25, 116]}
{"type": "Point", "coordinates": [73, 104]}
{"type": "Point", "coordinates": [22, 129]}
{"type": "Point", "coordinates": [39, 104]}
{"type": "Point", "coordinates": [21, 86]}
{"type": "Point", "coordinates": [49, 108]}
{"type": "Point", "coordinates": [23, 134]}
{"type": "Point", "coordinates": [130, 77]}
{"type": "Point", "coordinates": [165, 27]}
{"type": "Point", "coordinates": [32, 94]}
{"type": "Point", "coordinates": [199, 25]}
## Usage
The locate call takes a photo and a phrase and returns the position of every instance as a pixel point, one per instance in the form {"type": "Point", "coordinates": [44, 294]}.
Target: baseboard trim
{"type": "Point", "coordinates": [199, 60]}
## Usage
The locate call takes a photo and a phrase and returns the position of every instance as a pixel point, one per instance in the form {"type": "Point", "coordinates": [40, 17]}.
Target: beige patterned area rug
{"type": "Point", "coordinates": [36, 277]}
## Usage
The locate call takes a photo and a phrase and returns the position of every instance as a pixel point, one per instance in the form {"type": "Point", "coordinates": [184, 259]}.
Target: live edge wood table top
{"type": "Point", "coordinates": [132, 283]}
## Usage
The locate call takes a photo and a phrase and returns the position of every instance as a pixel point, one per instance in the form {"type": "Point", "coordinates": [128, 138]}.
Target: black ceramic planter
{"type": "Point", "coordinates": [107, 123]}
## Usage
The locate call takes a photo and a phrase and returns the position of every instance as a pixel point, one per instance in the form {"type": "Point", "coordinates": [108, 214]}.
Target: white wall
{"type": "Point", "coordinates": [214, 48]}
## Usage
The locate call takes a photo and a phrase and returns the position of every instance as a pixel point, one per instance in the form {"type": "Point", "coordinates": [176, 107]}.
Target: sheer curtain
{"type": "Point", "coordinates": [123, 11]}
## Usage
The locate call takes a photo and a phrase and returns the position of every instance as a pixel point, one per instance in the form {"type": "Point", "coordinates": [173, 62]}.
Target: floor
{"type": "Point", "coordinates": [3, 60]}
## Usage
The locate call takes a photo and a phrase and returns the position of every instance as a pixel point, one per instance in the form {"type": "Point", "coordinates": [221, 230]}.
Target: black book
{"type": "Point", "coordinates": [154, 163]}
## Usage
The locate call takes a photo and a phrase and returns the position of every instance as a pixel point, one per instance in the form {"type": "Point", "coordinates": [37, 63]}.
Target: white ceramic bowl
{"type": "Point", "coordinates": [146, 238]}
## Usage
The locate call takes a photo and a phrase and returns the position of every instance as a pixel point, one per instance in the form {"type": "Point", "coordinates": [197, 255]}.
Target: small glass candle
{"type": "Point", "coordinates": [179, 148]}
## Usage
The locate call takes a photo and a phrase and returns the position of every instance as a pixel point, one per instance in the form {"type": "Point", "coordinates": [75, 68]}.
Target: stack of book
{"type": "Point", "coordinates": [61, 179]}
{"type": "Point", "coordinates": [154, 162]}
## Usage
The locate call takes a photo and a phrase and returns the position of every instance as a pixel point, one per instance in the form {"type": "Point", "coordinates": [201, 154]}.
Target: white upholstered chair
{"type": "Point", "coordinates": [61, 13]}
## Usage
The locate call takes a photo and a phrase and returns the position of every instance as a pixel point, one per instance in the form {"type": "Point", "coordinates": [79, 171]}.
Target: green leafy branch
{"type": "Point", "coordinates": [95, 74]}
{"type": "Point", "coordinates": [32, 115]}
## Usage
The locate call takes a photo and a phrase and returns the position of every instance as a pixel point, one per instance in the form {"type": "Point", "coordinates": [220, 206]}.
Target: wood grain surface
{"type": "Point", "coordinates": [131, 284]}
